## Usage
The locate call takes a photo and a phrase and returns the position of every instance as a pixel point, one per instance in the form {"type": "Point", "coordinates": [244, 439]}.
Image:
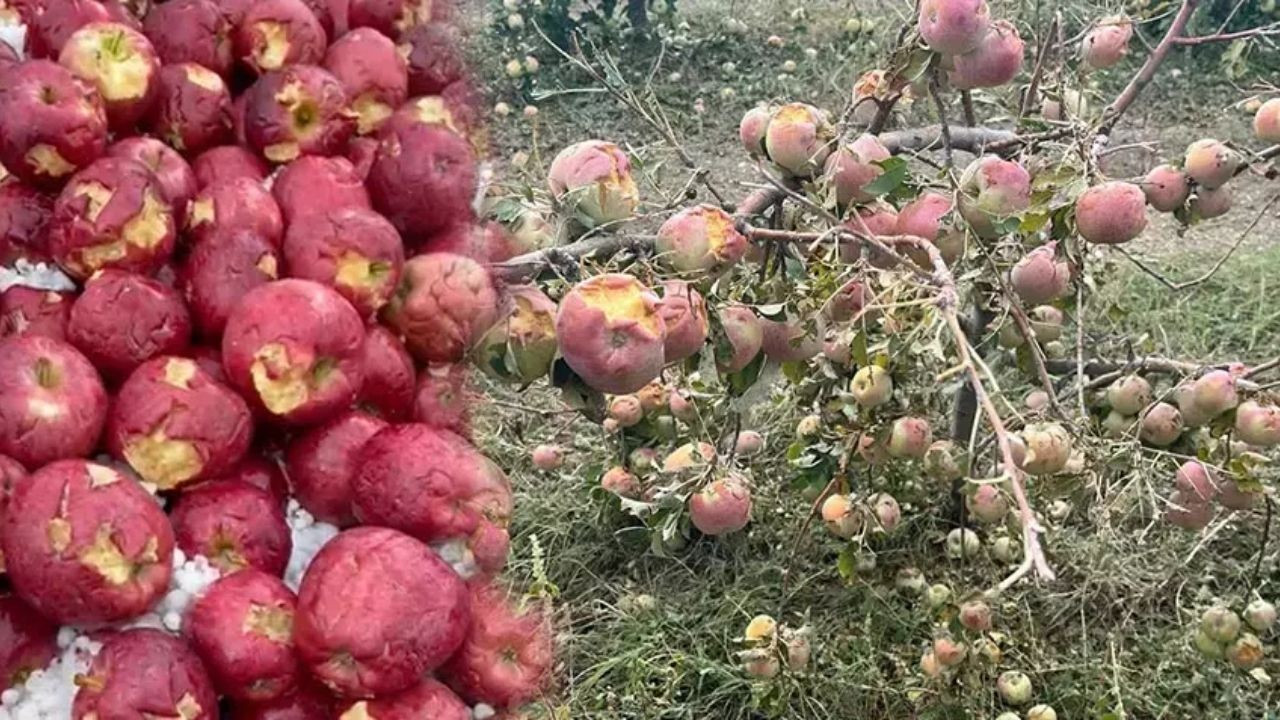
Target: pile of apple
{"type": "Point", "coordinates": [241, 268]}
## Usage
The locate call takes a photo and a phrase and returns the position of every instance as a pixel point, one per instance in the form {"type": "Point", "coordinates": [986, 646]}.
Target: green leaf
{"type": "Point", "coordinates": [858, 349]}
{"type": "Point", "coordinates": [847, 563]}
{"type": "Point", "coordinates": [895, 173]}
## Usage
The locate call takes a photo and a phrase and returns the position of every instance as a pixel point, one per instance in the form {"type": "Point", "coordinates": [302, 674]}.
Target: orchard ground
{"type": "Point", "coordinates": [646, 636]}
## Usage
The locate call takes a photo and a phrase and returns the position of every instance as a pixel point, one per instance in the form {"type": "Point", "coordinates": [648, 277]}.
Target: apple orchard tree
{"type": "Point", "coordinates": [886, 272]}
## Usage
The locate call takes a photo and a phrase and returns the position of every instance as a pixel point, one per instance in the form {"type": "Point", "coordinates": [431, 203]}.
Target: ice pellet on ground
{"type": "Point", "coordinates": [309, 536]}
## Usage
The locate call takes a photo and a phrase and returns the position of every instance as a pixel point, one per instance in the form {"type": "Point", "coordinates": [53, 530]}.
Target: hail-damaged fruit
{"type": "Point", "coordinates": [295, 348]}
{"type": "Point", "coordinates": [799, 138]}
{"type": "Point", "coordinates": [52, 402]}
{"type": "Point", "coordinates": [120, 64]}
{"type": "Point", "coordinates": [954, 27]}
{"type": "Point", "coordinates": [722, 507]}
{"type": "Point", "coordinates": [428, 699]}
{"type": "Point", "coordinates": [443, 306]}
{"type": "Point", "coordinates": [295, 111]}
{"type": "Point", "coordinates": [414, 613]}
{"type": "Point", "coordinates": [122, 320]}
{"type": "Point", "coordinates": [852, 167]}
{"type": "Point", "coordinates": [593, 178]}
{"type": "Point", "coordinates": [700, 239]}
{"type": "Point", "coordinates": [684, 313]}
{"type": "Point", "coordinates": [322, 461]}
{"type": "Point", "coordinates": [389, 376]}
{"type": "Point", "coordinates": [233, 524]}
{"type": "Point", "coordinates": [112, 214]}
{"type": "Point", "coordinates": [993, 63]}
{"type": "Point", "coordinates": [274, 34]}
{"type": "Point", "coordinates": [611, 333]}
{"type": "Point", "coordinates": [353, 250]}
{"type": "Point", "coordinates": [507, 657]}
{"type": "Point", "coordinates": [1107, 42]}
{"type": "Point", "coordinates": [992, 189]}
{"type": "Point", "coordinates": [435, 486]}
{"type": "Point", "coordinates": [145, 673]}
{"type": "Point", "coordinates": [522, 344]}
{"type": "Point", "coordinates": [191, 31]}
{"type": "Point", "coordinates": [743, 337]}
{"type": "Point", "coordinates": [28, 642]}
{"type": "Point", "coordinates": [220, 271]}
{"type": "Point", "coordinates": [373, 73]}
{"type": "Point", "coordinates": [441, 399]}
{"type": "Point", "coordinates": [242, 628]}
{"type": "Point", "coordinates": [227, 162]}
{"type": "Point", "coordinates": [314, 185]}
{"type": "Point", "coordinates": [1111, 213]}
{"type": "Point", "coordinates": [175, 424]}
{"type": "Point", "coordinates": [193, 108]}
{"type": "Point", "coordinates": [235, 204]}
{"type": "Point", "coordinates": [85, 544]}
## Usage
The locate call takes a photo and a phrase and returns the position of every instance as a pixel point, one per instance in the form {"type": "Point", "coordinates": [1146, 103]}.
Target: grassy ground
{"type": "Point", "coordinates": [653, 637]}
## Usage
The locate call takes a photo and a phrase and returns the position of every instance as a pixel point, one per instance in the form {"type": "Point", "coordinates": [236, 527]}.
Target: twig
{"type": "Point", "coordinates": [1033, 88]}
{"type": "Point", "coordinates": [942, 113]}
{"type": "Point", "coordinates": [1261, 31]}
{"type": "Point", "coordinates": [1262, 547]}
{"type": "Point", "coordinates": [1117, 108]}
{"type": "Point", "coordinates": [966, 105]}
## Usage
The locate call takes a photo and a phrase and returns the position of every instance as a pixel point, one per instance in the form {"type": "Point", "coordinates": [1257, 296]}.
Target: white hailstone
{"type": "Point", "coordinates": [49, 693]}
{"type": "Point", "coordinates": [482, 712]}
{"type": "Point", "coordinates": [515, 21]}
{"type": "Point", "coordinates": [459, 557]}
{"type": "Point", "coordinates": [189, 581]}
{"type": "Point", "coordinates": [308, 537]}
{"type": "Point", "coordinates": [15, 36]}
{"type": "Point", "coordinates": [40, 276]}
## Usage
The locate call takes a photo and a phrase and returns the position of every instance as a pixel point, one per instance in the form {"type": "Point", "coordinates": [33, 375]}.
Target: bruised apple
{"type": "Point", "coordinates": [701, 238]}
{"type": "Point", "coordinates": [120, 64]}
{"type": "Point", "coordinates": [51, 123]}
{"type": "Point", "coordinates": [790, 340]}
{"type": "Point", "coordinates": [353, 250]}
{"type": "Point", "coordinates": [242, 628]}
{"type": "Point", "coordinates": [28, 642]}
{"type": "Point", "coordinates": [992, 189]}
{"type": "Point", "coordinates": [435, 56]}
{"type": "Point", "coordinates": [852, 167]}
{"type": "Point", "coordinates": [221, 270]}
{"type": "Point", "coordinates": [273, 34]}
{"type": "Point", "coordinates": [392, 17]}
{"type": "Point", "coordinates": [431, 484]}
{"type": "Point", "coordinates": [373, 73]}
{"type": "Point", "coordinates": [175, 424]}
{"type": "Point", "coordinates": [954, 27]}
{"type": "Point", "coordinates": [145, 673]}
{"type": "Point", "coordinates": [994, 62]}
{"type": "Point", "coordinates": [193, 108]}
{"type": "Point", "coordinates": [522, 344]}
{"type": "Point", "coordinates": [122, 320]}
{"type": "Point", "coordinates": [1106, 43]}
{"type": "Point", "coordinates": [226, 163]}
{"type": "Point", "coordinates": [30, 311]}
{"type": "Point", "coordinates": [507, 658]}
{"type": "Point", "coordinates": [51, 22]}
{"type": "Point", "coordinates": [1111, 213]}
{"type": "Point", "coordinates": [233, 524]}
{"type": "Point", "coordinates": [191, 31]}
{"type": "Point", "coordinates": [427, 699]}
{"type": "Point", "coordinates": [414, 613]}
{"type": "Point", "coordinates": [296, 349]}
{"type": "Point", "coordinates": [236, 204]}
{"type": "Point", "coordinates": [1166, 187]}
{"type": "Point", "coordinates": [593, 178]}
{"type": "Point", "coordinates": [799, 139]}
{"type": "Point", "coordinates": [176, 179]}
{"type": "Point", "coordinates": [313, 185]}
{"type": "Point", "coordinates": [443, 306]}
{"type": "Point", "coordinates": [684, 313]}
{"type": "Point", "coordinates": [389, 376]}
{"type": "Point", "coordinates": [743, 338]}
{"type": "Point", "coordinates": [85, 544]}
{"type": "Point", "coordinates": [307, 701]}
{"type": "Point", "coordinates": [112, 214]}
{"type": "Point", "coordinates": [322, 461]}
{"type": "Point", "coordinates": [423, 179]}
{"type": "Point", "coordinates": [24, 219]}
{"type": "Point", "coordinates": [52, 402]}
{"type": "Point", "coordinates": [611, 333]}
{"type": "Point", "coordinates": [441, 398]}
{"type": "Point", "coordinates": [722, 507]}
{"type": "Point", "coordinates": [298, 110]}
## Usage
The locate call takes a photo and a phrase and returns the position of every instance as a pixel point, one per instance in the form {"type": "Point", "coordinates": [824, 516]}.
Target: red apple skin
{"type": "Point", "coordinates": [51, 123]}
{"type": "Point", "coordinates": [52, 402]}
{"type": "Point", "coordinates": [441, 400]}
{"type": "Point", "coordinates": [176, 178]}
{"type": "Point", "coordinates": [295, 348]}
{"type": "Point", "coordinates": [235, 525]}
{"type": "Point", "coordinates": [234, 10]}
{"type": "Point", "coordinates": [322, 461]}
{"type": "Point", "coordinates": [227, 163]}
{"type": "Point", "coordinates": [428, 699]}
{"type": "Point", "coordinates": [220, 271]}
{"type": "Point", "coordinates": [175, 424]}
{"type": "Point", "coordinates": [414, 613]}
{"type": "Point", "coordinates": [389, 377]}
{"type": "Point", "coordinates": [443, 306]}
{"type": "Point", "coordinates": [192, 108]}
{"type": "Point", "coordinates": [56, 20]}
{"type": "Point", "coordinates": [300, 110]}
{"type": "Point", "coordinates": [314, 184]}
{"type": "Point", "coordinates": [361, 151]}
{"type": "Point", "coordinates": [125, 104]}
{"type": "Point", "coordinates": [294, 23]}
{"type": "Point", "coordinates": [237, 204]}
{"type": "Point", "coordinates": [146, 673]}
{"type": "Point", "coordinates": [242, 629]}
{"type": "Point", "coordinates": [8, 56]}
{"type": "Point", "coordinates": [508, 655]}
{"type": "Point", "coordinates": [112, 215]}
{"type": "Point", "coordinates": [261, 472]}
{"type": "Point", "coordinates": [24, 218]}
{"type": "Point", "coordinates": [373, 73]}
{"type": "Point", "coordinates": [308, 701]}
{"type": "Point", "coordinates": [191, 31]}
{"type": "Point", "coordinates": [28, 642]}
{"type": "Point", "coordinates": [28, 311]}
{"type": "Point", "coordinates": [393, 17]}
{"type": "Point", "coordinates": [122, 320]}
{"type": "Point", "coordinates": [84, 544]}
{"type": "Point", "coordinates": [436, 58]}
{"type": "Point", "coordinates": [355, 251]}
{"type": "Point", "coordinates": [429, 483]}
{"type": "Point", "coordinates": [423, 180]}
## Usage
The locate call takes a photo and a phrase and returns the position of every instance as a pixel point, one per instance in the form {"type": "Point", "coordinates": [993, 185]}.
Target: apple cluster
{"type": "Point", "coordinates": [271, 276]}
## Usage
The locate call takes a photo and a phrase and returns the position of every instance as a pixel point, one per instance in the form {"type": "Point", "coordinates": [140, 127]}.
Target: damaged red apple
{"type": "Point", "coordinates": [192, 108]}
{"type": "Point", "coordinates": [122, 320]}
{"type": "Point", "coordinates": [175, 424]}
{"type": "Point", "coordinates": [314, 185]}
{"type": "Point", "coordinates": [51, 123]}
{"type": "Point", "coordinates": [31, 311]}
{"type": "Point", "coordinates": [52, 402]}
{"type": "Point", "coordinates": [321, 463]}
{"type": "Point", "coordinates": [28, 642]}
{"type": "Point", "coordinates": [373, 73]}
{"type": "Point", "coordinates": [414, 613]}
{"type": "Point", "coordinates": [435, 55]}
{"type": "Point", "coordinates": [299, 110]}
{"type": "Point", "coordinates": [428, 699]}
{"type": "Point", "coordinates": [112, 214]}
{"type": "Point", "coordinates": [176, 179]}
{"type": "Point", "coordinates": [24, 218]}
{"type": "Point", "coordinates": [354, 251]}
{"type": "Point", "coordinates": [236, 204]}
{"type": "Point", "coordinates": [441, 399]}
{"type": "Point", "coordinates": [423, 179]}
{"type": "Point", "coordinates": [274, 34]}
{"type": "Point", "coordinates": [85, 544]}
{"type": "Point", "coordinates": [443, 306]}
{"type": "Point", "coordinates": [296, 348]}
{"type": "Point", "coordinates": [242, 628]}
{"type": "Point", "coordinates": [389, 377]}
{"type": "Point", "coordinates": [145, 673]}
{"type": "Point", "coordinates": [506, 660]}
{"type": "Point", "coordinates": [226, 163]}
{"type": "Point", "coordinates": [191, 31]}
{"type": "Point", "coordinates": [220, 271]}
{"type": "Point", "coordinates": [120, 63]}
{"type": "Point", "coordinates": [233, 524]}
